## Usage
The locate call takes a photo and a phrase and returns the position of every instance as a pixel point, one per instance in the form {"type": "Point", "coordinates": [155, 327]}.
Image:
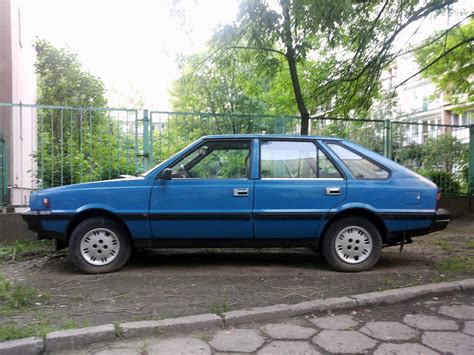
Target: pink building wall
{"type": "Point", "coordinates": [18, 86]}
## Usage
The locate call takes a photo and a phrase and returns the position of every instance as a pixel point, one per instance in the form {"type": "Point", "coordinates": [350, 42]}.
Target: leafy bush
{"type": "Point", "coordinates": [446, 181]}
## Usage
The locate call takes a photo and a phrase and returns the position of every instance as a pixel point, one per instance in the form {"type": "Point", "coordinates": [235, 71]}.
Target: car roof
{"type": "Point", "coordinates": [269, 136]}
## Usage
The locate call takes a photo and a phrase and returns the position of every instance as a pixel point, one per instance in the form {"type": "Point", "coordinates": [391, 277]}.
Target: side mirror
{"type": "Point", "coordinates": [166, 174]}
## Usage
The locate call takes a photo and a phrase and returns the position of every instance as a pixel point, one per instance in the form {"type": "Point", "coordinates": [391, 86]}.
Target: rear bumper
{"type": "Point", "coordinates": [440, 221]}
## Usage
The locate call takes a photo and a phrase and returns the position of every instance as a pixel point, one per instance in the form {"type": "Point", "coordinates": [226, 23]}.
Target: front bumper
{"type": "Point", "coordinates": [32, 218]}
{"type": "Point", "coordinates": [440, 221]}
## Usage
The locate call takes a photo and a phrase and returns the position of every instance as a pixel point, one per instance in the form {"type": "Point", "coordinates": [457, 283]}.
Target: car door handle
{"type": "Point", "coordinates": [333, 191]}
{"type": "Point", "coordinates": [242, 192]}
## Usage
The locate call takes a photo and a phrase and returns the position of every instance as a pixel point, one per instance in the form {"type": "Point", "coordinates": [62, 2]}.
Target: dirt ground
{"type": "Point", "coordinates": [170, 283]}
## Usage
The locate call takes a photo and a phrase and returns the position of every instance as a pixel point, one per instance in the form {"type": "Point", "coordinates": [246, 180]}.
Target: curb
{"type": "Point", "coordinates": [77, 338]}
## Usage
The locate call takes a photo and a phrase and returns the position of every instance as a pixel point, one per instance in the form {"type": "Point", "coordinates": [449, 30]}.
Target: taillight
{"type": "Point", "coordinates": [438, 198]}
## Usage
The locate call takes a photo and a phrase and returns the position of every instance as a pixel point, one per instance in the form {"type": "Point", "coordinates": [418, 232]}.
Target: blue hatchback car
{"type": "Point", "coordinates": [245, 191]}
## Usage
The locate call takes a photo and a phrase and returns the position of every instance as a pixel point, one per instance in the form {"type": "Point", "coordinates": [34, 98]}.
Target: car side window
{"type": "Point", "coordinates": [215, 160]}
{"type": "Point", "coordinates": [294, 160]}
{"type": "Point", "coordinates": [360, 167]}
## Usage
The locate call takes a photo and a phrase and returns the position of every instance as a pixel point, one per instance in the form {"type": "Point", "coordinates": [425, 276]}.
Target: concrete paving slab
{"type": "Point", "coordinates": [344, 341]}
{"type": "Point", "coordinates": [449, 342]}
{"type": "Point", "coordinates": [288, 331]}
{"type": "Point", "coordinates": [463, 311]}
{"type": "Point", "coordinates": [288, 348]}
{"type": "Point", "coordinates": [179, 346]}
{"type": "Point", "coordinates": [336, 322]}
{"type": "Point", "coordinates": [426, 322]}
{"type": "Point", "coordinates": [389, 331]}
{"type": "Point", "coordinates": [469, 327]}
{"type": "Point", "coordinates": [404, 349]}
{"type": "Point", "coordinates": [242, 340]}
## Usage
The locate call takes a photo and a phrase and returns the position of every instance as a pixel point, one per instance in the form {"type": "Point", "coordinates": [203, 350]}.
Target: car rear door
{"type": "Point", "coordinates": [298, 184]}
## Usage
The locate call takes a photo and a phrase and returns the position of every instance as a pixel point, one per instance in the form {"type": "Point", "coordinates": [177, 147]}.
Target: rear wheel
{"type": "Point", "coordinates": [99, 245]}
{"type": "Point", "coordinates": [352, 244]}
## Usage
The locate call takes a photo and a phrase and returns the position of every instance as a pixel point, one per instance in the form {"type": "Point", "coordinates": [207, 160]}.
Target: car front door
{"type": "Point", "coordinates": [298, 185]}
{"type": "Point", "coordinates": [209, 195]}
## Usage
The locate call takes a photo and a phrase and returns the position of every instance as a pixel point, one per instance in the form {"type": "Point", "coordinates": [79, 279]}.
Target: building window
{"type": "Point", "coordinates": [455, 119]}
{"type": "Point", "coordinates": [425, 103]}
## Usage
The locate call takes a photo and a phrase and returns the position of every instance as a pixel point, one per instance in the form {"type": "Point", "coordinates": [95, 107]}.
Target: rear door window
{"type": "Point", "coordinates": [295, 160]}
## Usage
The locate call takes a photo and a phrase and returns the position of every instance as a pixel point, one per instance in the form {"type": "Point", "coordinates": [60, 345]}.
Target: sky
{"type": "Point", "coordinates": [134, 46]}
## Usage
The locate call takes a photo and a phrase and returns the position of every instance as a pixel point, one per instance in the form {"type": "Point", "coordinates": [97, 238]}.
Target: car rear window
{"type": "Point", "coordinates": [360, 167]}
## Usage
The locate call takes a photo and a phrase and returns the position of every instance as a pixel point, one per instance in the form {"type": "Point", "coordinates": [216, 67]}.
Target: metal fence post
{"type": "Point", "coordinates": [470, 179]}
{"type": "Point", "coordinates": [146, 140]}
{"type": "Point", "coordinates": [387, 147]}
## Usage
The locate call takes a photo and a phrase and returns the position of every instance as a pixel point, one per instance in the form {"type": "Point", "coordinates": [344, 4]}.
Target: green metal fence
{"type": "Point", "coordinates": [76, 144]}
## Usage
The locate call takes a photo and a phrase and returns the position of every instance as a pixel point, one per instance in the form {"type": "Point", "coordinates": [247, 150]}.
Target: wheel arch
{"type": "Point", "coordinates": [90, 213]}
{"type": "Point", "coordinates": [358, 212]}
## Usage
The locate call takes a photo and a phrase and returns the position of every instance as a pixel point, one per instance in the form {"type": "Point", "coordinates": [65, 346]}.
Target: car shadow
{"type": "Point", "coordinates": [300, 257]}
{"type": "Point", "coordinates": [304, 258]}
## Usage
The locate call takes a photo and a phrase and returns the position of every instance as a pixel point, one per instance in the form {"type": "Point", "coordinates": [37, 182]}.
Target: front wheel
{"type": "Point", "coordinates": [99, 245]}
{"type": "Point", "coordinates": [352, 244]}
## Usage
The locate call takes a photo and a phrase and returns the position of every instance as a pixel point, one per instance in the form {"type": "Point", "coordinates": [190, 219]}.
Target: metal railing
{"type": "Point", "coordinates": [45, 146]}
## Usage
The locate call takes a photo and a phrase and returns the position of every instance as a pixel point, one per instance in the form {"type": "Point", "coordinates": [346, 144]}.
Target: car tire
{"type": "Point", "coordinates": [99, 245]}
{"type": "Point", "coordinates": [352, 244]}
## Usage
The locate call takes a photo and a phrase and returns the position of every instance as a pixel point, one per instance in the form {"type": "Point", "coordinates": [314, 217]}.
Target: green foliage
{"type": "Point", "coordinates": [301, 56]}
{"type": "Point", "coordinates": [453, 72]}
{"type": "Point", "coordinates": [82, 144]}
{"type": "Point", "coordinates": [16, 296]}
{"type": "Point", "coordinates": [18, 250]}
{"type": "Point", "coordinates": [63, 81]}
{"type": "Point", "coordinates": [443, 159]}
{"type": "Point", "coordinates": [444, 152]}
{"type": "Point", "coordinates": [446, 181]}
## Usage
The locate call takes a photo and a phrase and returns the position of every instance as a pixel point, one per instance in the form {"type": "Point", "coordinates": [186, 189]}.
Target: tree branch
{"type": "Point", "coordinates": [420, 13]}
{"type": "Point", "coordinates": [435, 61]}
{"type": "Point", "coordinates": [424, 45]}
{"type": "Point", "coordinates": [256, 48]}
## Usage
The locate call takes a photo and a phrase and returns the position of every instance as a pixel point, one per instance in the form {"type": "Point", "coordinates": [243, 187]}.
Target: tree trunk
{"type": "Point", "coordinates": [290, 56]}
{"type": "Point", "coordinates": [291, 59]}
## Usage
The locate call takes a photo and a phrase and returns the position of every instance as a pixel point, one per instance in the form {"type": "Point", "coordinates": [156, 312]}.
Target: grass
{"type": "Point", "coordinates": [15, 331]}
{"type": "Point", "coordinates": [14, 297]}
{"type": "Point", "coordinates": [456, 256]}
{"type": "Point", "coordinates": [21, 249]}
{"type": "Point", "coordinates": [118, 330]}
{"type": "Point", "coordinates": [220, 306]}
{"type": "Point", "coordinates": [456, 263]}
{"type": "Point", "coordinates": [40, 327]}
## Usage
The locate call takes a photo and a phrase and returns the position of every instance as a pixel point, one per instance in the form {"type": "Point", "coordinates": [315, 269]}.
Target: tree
{"type": "Point", "coordinates": [77, 141]}
{"type": "Point", "coordinates": [63, 81]}
{"type": "Point", "coordinates": [447, 59]}
{"type": "Point", "coordinates": [235, 94]}
{"type": "Point", "coordinates": [334, 51]}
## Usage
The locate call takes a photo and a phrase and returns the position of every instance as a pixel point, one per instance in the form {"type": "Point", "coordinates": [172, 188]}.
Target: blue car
{"type": "Point", "coordinates": [245, 191]}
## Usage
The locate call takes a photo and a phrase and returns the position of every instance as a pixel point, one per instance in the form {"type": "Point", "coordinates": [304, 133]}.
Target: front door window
{"type": "Point", "coordinates": [215, 160]}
